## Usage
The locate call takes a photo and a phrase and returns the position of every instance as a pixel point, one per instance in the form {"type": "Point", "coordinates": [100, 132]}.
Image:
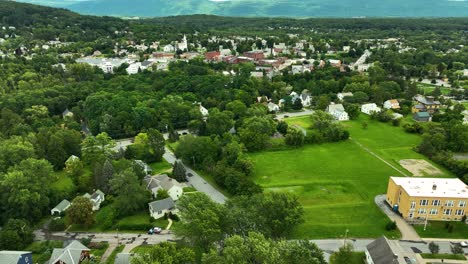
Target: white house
{"type": "Point", "coordinates": [368, 109]}
{"type": "Point", "coordinates": [338, 111]}
{"type": "Point", "coordinates": [157, 209]}
{"type": "Point", "coordinates": [60, 208]}
{"type": "Point", "coordinates": [133, 68]}
{"type": "Point", "coordinates": [75, 252]}
{"type": "Point", "coordinates": [272, 107]}
{"type": "Point", "coordinates": [164, 182]}
{"type": "Point", "coordinates": [203, 111]}
{"type": "Point", "coordinates": [183, 45]}
{"type": "Point", "coordinates": [384, 251]}
{"type": "Point", "coordinates": [305, 98]}
{"type": "Point", "coordinates": [96, 198]}
{"type": "Point", "coordinates": [465, 117]}
{"type": "Point", "coordinates": [168, 48]}
{"type": "Point", "coordinates": [341, 96]}
{"type": "Point", "coordinates": [391, 104]}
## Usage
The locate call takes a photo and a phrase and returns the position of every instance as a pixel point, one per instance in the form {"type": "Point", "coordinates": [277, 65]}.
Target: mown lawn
{"type": "Point", "coordinates": [438, 229]}
{"type": "Point", "coordinates": [337, 182]}
{"type": "Point", "coordinates": [161, 167]}
{"type": "Point", "coordinates": [443, 256]}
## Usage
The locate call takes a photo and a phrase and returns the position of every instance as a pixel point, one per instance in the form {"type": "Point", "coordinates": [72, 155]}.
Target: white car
{"type": "Point", "coordinates": [464, 244]}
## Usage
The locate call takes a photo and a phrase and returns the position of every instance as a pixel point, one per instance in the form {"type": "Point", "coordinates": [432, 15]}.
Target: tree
{"type": "Point", "coordinates": [255, 133]}
{"type": "Point", "coordinates": [179, 172]}
{"type": "Point", "coordinates": [353, 110]}
{"type": "Point", "coordinates": [344, 256]}
{"type": "Point", "coordinates": [14, 150]}
{"type": "Point", "coordinates": [16, 234]}
{"type": "Point", "coordinates": [156, 143]}
{"type": "Point", "coordinates": [102, 179]}
{"type": "Point", "coordinates": [95, 149]}
{"type": "Point", "coordinates": [456, 249]}
{"type": "Point", "coordinates": [433, 248]}
{"type": "Point", "coordinates": [130, 196]}
{"type": "Point", "coordinates": [282, 127]}
{"type": "Point", "coordinates": [200, 219]}
{"type": "Point", "coordinates": [198, 150]}
{"type": "Point", "coordinates": [297, 104]}
{"type": "Point", "coordinates": [167, 253]}
{"type": "Point", "coordinates": [162, 194]}
{"type": "Point", "coordinates": [81, 211]}
{"type": "Point", "coordinates": [298, 252]}
{"type": "Point", "coordinates": [294, 137]}
{"type": "Point", "coordinates": [73, 166]}
{"type": "Point", "coordinates": [322, 102]}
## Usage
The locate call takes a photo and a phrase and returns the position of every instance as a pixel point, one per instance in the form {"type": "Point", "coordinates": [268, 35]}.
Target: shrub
{"type": "Point", "coordinates": [433, 248]}
{"type": "Point", "coordinates": [396, 122]}
{"type": "Point", "coordinates": [57, 225]}
{"type": "Point", "coordinates": [391, 226]}
{"type": "Point", "coordinates": [106, 217]}
{"type": "Point", "coordinates": [174, 217]}
{"type": "Point", "coordinates": [85, 241]}
{"type": "Point", "coordinates": [450, 228]}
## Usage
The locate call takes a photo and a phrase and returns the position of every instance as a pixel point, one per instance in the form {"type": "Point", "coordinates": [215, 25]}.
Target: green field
{"type": "Point", "coordinates": [337, 182]}
{"type": "Point", "coordinates": [440, 230]}
{"type": "Point", "coordinates": [428, 88]}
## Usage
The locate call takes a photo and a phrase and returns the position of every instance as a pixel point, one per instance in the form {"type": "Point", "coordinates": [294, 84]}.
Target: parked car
{"type": "Point", "coordinates": [464, 244]}
{"type": "Point", "coordinates": [154, 230]}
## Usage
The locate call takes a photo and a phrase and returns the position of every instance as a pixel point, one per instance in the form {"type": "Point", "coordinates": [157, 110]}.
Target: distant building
{"type": "Point", "coordinates": [426, 104]}
{"type": "Point", "coordinates": [16, 257]}
{"type": "Point", "coordinates": [159, 208]}
{"type": "Point", "coordinates": [255, 55]}
{"type": "Point", "coordinates": [391, 104]}
{"type": "Point", "coordinates": [384, 251]}
{"type": "Point", "coordinates": [422, 117]}
{"type": "Point", "coordinates": [341, 96]}
{"type": "Point", "coordinates": [431, 198]}
{"type": "Point", "coordinates": [60, 208]}
{"type": "Point", "coordinates": [338, 111]}
{"type": "Point", "coordinates": [368, 109]}
{"type": "Point", "coordinates": [67, 114]}
{"type": "Point", "coordinates": [96, 199]}
{"type": "Point", "coordinates": [164, 182]}
{"type": "Point", "coordinates": [203, 111]}
{"type": "Point", "coordinates": [74, 253]}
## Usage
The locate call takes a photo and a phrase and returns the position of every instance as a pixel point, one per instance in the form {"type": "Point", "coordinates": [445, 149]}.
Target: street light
{"type": "Point", "coordinates": [345, 237]}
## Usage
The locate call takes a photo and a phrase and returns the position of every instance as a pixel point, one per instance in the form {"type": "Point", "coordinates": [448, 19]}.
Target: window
{"type": "Point", "coordinates": [435, 202]}
{"type": "Point", "coordinates": [459, 212]}
{"type": "Point", "coordinates": [433, 211]}
{"type": "Point", "coordinates": [423, 202]}
{"type": "Point", "coordinates": [413, 205]}
{"type": "Point", "coordinates": [449, 203]}
{"type": "Point", "coordinates": [447, 211]}
{"type": "Point", "coordinates": [422, 211]}
{"type": "Point", "coordinates": [462, 203]}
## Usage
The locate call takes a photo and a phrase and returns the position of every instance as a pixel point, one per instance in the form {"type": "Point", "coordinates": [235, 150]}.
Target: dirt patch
{"type": "Point", "coordinates": [420, 167]}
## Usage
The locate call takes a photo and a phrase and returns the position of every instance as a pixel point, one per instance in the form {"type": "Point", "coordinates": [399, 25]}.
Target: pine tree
{"type": "Point", "coordinates": [179, 172]}
{"type": "Point", "coordinates": [103, 174]}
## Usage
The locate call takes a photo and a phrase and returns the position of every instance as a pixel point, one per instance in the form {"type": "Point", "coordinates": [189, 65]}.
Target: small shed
{"type": "Point", "coordinates": [422, 117]}
{"type": "Point", "coordinates": [60, 208]}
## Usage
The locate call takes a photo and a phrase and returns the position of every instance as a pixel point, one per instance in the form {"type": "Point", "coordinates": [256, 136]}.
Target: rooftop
{"type": "Point", "coordinates": [433, 187]}
{"type": "Point", "coordinates": [160, 205]}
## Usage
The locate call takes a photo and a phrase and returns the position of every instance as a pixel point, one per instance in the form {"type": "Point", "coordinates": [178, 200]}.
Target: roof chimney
{"type": "Point", "coordinates": [434, 187]}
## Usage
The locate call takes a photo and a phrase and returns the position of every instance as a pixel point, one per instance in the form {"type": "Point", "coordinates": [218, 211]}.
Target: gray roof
{"type": "Point", "coordinates": [422, 114]}
{"type": "Point", "coordinates": [426, 100]}
{"type": "Point", "coordinates": [384, 251]}
{"type": "Point", "coordinates": [146, 63]}
{"type": "Point", "coordinates": [62, 205]}
{"type": "Point", "coordinates": [150, 183]}
{"type": "Point", "coordinates": [336, 107]}
{"type": "Point", "coordinates": [69, 254]}
{"type": "Point", "coordinates": [13, 257]}
{"type": "Point", "coordinates": [160, 205]}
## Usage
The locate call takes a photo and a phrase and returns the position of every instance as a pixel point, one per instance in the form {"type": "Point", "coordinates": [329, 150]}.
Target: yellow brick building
{"type": "Point", "coordinates": [434, 198]}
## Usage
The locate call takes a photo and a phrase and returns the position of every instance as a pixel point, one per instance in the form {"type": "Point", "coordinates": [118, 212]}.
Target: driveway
{"type": "Point", "coordinates": [407, 231]}
{"type": "Point", "coordinates": [197, 181]}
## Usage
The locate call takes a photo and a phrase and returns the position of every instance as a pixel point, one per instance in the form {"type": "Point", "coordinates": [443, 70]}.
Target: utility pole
{"type": "Point", "coordinates": [345, 237]}
{"type": "Point", "coordinates": [425, 222]}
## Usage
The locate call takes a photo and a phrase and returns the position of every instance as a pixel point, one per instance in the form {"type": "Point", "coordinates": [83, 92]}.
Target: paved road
{"type": "Point", "coordinates": [197, 181]}
{"type": "Point", "coordinates": [303, 113]}
{"type": "Point", "coordinates": [407, 231]}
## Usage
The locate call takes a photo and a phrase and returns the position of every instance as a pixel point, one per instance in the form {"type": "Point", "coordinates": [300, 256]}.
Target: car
{"type": "Point", "coordinates": [157, 230]}
{"type": "Point", "coordinates": [464, 244]}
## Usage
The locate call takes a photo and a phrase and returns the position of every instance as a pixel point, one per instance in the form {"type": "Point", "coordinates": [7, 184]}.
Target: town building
{"type": "Point", "coordinates": [428, 198]}
{"type": "Point", "coordinates": [96, 199]}
{"type": "Point", "coordinates": [368, 109]}
{"type": "Point", "coordinates": [425, 104]}
{"type": "Point", "coordinates": [60, 208]}
{"type": "Point", "coordinates": [16, 257]}
{"type": "Point", "coordinates": [422, 117]}
{"type": "Point", "coordinates": [338, 111]}
{"type": "Point", "coordinates": [164, 182]}
{"type": "Point", "coordinates": [255, 55]}
{"type": "Point", "coordinates": [391, 104]}
{"type": "Point", "coordinates": [74, 253]}
{"type": "Point", "coordinates": [159, 208]}
{"type": "Point", "coordinates": [384, 251]}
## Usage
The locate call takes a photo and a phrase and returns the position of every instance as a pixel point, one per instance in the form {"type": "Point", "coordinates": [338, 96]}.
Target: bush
{"type": "Point", "coordinates": [57, 225]}
{"type": "Point", "coordinates": [174, 217]}
{"type": "Point", "coordinates": [450, 228]}
{"type": "Point", "coordinates": [396, 122]}
{"type": "Point", "coordinates": [85, 241]}
{"type": "Point", "coordinates": [391, 226]}
{"type": "Point", "coordinates": [106, 217]}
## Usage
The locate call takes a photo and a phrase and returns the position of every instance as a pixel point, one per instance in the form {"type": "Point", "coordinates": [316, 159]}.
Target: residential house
{"type": "Point", "coordinates": [67, 114]}
{"type": "Point", "coordinates": [203, 111]}
{"type": "Point", "coordinates": [255, 55]}
{"type": "Point", "coordinates": [465, 117]}
{"type": "Point", "coordinates": [159, 208]}
{"type": "Point", "coordinates": [96, 199]}
{"type": "Point", "coordinates": [74, 253]}
{"type": "Point", "coordinates": [60, 208]}
{"type": "Point", "coordinates": [391, 104]}
{"type": "Point", "coordinates": [368, 109]}
{"type": "Point", "coordinates": [305, 98]}
{"type": "Point", "coordinates": [428, 198]}
{"type": "Point", "coordinates": [422, 117]}
{"type": "Point", "coordinates": [212, 55]}
{"type": "Point", "coordinates": [272, 107]}
{"type": "Point", "coordinates": [106, 65]}
{"type": "Point", "coordinates": [168, 48]}
{"type": "Point", "coordinates": [164, 182]}
{"type": "Point", "coordinates": [133, 68]}
{"type": "Point", "coordinates": [341, 96]}
{"type": "Point", "coordinates": [384, 251]}
{"type": "Point", "coordinates": [397, 116]}
{"type": "Point", "coordinates": [426, 104]}
{"type": "Point", "coordinates": [16, 257]}
{"type": "Point", "coordinates": [338, 111]}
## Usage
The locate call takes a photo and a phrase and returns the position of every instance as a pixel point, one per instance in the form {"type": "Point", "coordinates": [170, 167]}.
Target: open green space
{"type": "Point", "coordinates": [428, 88]}
{"type": "Point", "coordinates": [443, 256]}
{"type": "Point", "coordinates": [160, 167]}
{"type": "Point", "coordinates": [439, 229]}
{"type": "Point", "coordinates": [337, 182]}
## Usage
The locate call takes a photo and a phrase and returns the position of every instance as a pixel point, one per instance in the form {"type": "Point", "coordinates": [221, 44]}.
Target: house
{"type": "Point", "coordinates": [256, 74]}
{"type": "Point", "coordinates": [15, 257]}
{"type": "Point", "coordinates": [422, 117]}
{"type": "Point", "coordinates": [428, 198]}
{"type": "Point", "coordinates": [60, 208]}
{"type": "Point", "coordinates": [146, 168]}
{"type": "Point", "coordinates": [74, 253]}
{"type": "Point", "coordinates": [255, 55]}
{"type": "Point", "coordinates": [272, 107]}
{"type": "Point", "coordinates": [159, 208]}
{"type": "Point", "coordinates": [96, 198]}
{"type": "Point", "coordinates": [212, 55]}
{"type": "Point", "coordinates": [391, 104]}
{"type": "Point", "coordinates": [465, 116]}
{"type": "Point", "coordinates": [368, 109]}
{"type": "Point", "coordinates": [67, 114]}
{"type": "Point", "coordinates": [305, 98]}
{"type": "Point", "coordinates": [428, 102]}
{"type": "Point", "coordinates": [341, 96]}
{"type": "Point", "coordinates": [384, 251]}
{"type": "Point", "coordinates": [203, 110]}
{"type": "Point", "coordinates": [397, 116]}
{"type": "Point", "coordinates": [168, 48]}
{"type": "Point", "coordinates": [338, 111]}
{"type": "Point", "coordinates": [164, 182]}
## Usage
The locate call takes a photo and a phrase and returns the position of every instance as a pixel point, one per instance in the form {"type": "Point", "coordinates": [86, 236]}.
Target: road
{"type": "Point", "coordinates": [303, 113]}
{"type": "Point", "coordinates": [197, 181]}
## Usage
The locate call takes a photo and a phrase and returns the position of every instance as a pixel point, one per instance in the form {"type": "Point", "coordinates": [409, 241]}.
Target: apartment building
{"type": "Point", "coordinates": [431, 198]}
